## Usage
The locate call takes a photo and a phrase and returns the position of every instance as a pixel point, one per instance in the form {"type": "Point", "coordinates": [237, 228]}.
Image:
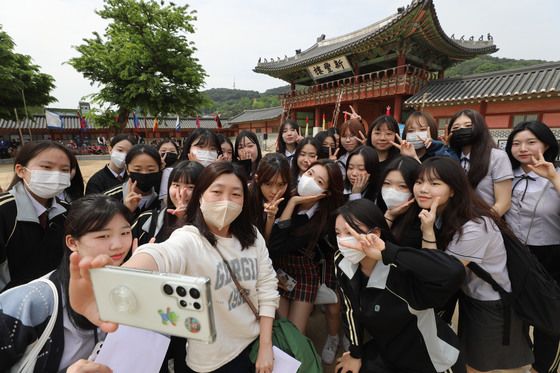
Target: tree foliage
{"type": "Point", "coordinates": [145, 59]}
{"type": "Point", "coordinates": [19, 77]}
{"type": "Point", "coordinates": [486, 64]}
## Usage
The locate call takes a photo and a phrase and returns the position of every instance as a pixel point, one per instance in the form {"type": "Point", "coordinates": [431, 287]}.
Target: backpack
{"type": "Point", "coordinates": [535, 295]}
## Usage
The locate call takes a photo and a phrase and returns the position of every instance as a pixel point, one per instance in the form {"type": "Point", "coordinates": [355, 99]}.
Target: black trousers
{"type": "Point", "coordinates": [546, 347]}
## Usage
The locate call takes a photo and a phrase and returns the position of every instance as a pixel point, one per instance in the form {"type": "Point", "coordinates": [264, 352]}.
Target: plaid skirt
{"type": "Point", "coordinates": [306, 273]}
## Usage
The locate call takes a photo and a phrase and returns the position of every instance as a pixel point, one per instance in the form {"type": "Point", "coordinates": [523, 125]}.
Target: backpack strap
{"type": "Point", "coordinates": [505, 298]}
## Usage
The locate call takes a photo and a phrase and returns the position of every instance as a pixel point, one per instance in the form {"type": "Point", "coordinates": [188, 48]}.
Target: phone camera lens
{"type": "Point", "coordinates": [197, 306]}
{"type": "Point", "coordinates": [194, 293]}
{"type": "Point", "coordinates": [183, 303]}
{"type": "Point", "coordinates": [181, 291]}
{"type": "Point", "coordinates": [167, 289]}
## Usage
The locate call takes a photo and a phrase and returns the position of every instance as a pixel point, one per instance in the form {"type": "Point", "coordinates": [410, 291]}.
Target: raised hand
{"type": "Point", "coordinates": [271, 208]}
{"type": "Point", "coordinates": [362, 139]}
{"type": "Point", "coordinates": [395, 212]}
{"type": "Point", "coordinates": [346, 363]}
{"type": "Point", "coordinates": [333, 156]}
{"type": "Point", "coordinates": [360, 183]}
{"type": "Point", "coordinates": [298, 200]}
{"type": "Point", "coordinates": [406, 148]}
{"type": "Point", "coordinates": [428, 140]}
{"type": "Point", "coordinates": [428, 218]}
{"type": "Point", "coordinates": [132, 199]}
{"type": "Point", "coordinates": [82, 298]}
{"type": "Point", "coordinates": [542, 167]}
{"type": "Point", "coordinates": [181, 196]}
{"type": "Point", "coordinates": [370, 244]}
{"type": "Point", "coordinates": [352, 114]}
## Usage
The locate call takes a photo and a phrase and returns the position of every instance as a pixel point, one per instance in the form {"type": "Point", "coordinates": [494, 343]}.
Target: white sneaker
{"type": "Point", "coordinates": [329, 351]}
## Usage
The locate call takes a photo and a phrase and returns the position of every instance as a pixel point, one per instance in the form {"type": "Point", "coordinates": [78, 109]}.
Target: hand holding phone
{"type": "Point", "coordinates": [167, 303]}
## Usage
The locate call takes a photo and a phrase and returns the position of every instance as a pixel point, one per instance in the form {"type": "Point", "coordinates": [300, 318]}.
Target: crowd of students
{"type": "Point", "coordinates": [386, 221]}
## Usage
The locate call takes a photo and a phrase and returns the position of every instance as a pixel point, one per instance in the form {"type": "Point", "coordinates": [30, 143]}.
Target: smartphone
{"type": "Point", "coordinates": [164, 302]}
{"type": "Point", "coordinates": [288, 282]}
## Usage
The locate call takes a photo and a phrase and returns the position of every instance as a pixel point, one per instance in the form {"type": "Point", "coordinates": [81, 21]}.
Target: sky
{"type": "Point", "coordinates": [231, 35]}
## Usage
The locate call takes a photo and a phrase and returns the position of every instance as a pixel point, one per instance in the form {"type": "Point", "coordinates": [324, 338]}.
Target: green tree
{"type": "Point", "coordinates": [144, 60]}
{"type": "Point", "coordinates": [19, 78]}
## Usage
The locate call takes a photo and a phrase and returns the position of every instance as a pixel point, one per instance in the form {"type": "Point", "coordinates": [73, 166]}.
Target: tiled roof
{"type": "Point", "coordinates": [257, 115]}
{"type": "Point", "coordinates": [535, 81]}
{"type": "Point", "coordinates": [73, 122]}
{"type": "Point", "coordinates": [330, 48]}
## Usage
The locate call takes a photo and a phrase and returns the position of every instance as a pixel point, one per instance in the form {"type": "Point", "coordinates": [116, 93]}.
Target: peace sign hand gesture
{"type": "Point", "coordinates": [370, 244]}
{"type": "Point", "coordinates": [353, 114]}
{"type": "Point", "coordinates": [333, 156]}
{"type": "Point", "coordinates": [543, 168]}
{"type": "Point", "coordinates": [271, 208]}
{"type": "Point", "coordinates": [362, 139]}
{"type": "Point", "coordinates": [132, 199]}
{"type": "Point", "coordinates": [406, 148]}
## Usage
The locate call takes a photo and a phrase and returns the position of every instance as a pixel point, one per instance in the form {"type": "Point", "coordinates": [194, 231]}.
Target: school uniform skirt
{"type": "Point", "coordinates": [306, 273]}
{"type": "Point", "coordinates": [481, 328]}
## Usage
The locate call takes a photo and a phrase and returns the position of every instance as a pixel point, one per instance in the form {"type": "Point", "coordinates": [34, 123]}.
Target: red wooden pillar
{"type": "Point", "coordinates": [317, 117]}
{"type": "Point", "coordinates": [401, 61]}
{"type": "Point", "coordinates": [397, 108]}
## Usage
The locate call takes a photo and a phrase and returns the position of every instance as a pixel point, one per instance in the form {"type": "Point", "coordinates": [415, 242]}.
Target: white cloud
{"type": "Point", "coordinates": [232, 35]}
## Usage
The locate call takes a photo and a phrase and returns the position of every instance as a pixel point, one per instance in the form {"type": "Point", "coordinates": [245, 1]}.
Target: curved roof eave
{"type": "Point", "coordinates": [329, 48]}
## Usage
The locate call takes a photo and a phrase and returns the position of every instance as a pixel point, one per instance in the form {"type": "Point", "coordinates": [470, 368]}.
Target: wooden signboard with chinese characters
{"type": "Point", "coordinates": [331, 67]}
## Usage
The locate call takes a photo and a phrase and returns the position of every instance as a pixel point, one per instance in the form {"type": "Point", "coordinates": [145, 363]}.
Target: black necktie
{"type": "Point", "coordinates": [521, 178]}
{"type": "Point", "coordinates": [44, 219]}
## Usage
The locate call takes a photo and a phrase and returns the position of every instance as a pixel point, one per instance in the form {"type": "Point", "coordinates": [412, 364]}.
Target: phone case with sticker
{"type": "Point", "coordinates": [164, 302]}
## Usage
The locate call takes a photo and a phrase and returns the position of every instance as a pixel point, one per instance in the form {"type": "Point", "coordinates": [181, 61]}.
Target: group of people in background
{"type": "Point", "coordinates": [381, 221]}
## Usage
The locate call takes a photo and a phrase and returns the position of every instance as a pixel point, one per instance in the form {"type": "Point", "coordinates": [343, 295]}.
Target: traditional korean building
{"type": "Point", "coordinates": [377, 66]}
{"type": "Point", "coordinates": [36, 128]}
{"type": "Point", "coordinates": [504, 98]}
{"type": "Point", "coordinates": [263, 122]}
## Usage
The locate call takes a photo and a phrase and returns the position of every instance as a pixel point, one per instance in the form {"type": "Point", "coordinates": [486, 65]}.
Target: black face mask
{"type": "Point", "coordinates": [324, 151]}
{"type": "Point", "coordinates": [145, 182]}
{"type": "Point", "coordinates": [461, 137]}
{"type": "Point", "coordinates": [170, 159]}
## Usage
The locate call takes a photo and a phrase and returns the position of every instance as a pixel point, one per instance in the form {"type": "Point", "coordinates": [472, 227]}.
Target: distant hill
{"type": "Point", "coordinates": [231, 102]}
{"type": "Point", "coordinates": [486, 64]}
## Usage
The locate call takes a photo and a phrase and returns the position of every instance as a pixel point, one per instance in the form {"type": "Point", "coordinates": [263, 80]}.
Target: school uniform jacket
{"type": "Point", "coordinates": [27, 251]}
{"type": "Point", "coordinates": [144, 223]}
{"type": "Point", "coordinates": [103, 180]}
{"type": "Point", "coordinates": [396, 307]}
{"type": "Point", "coordinates": [121, 190]}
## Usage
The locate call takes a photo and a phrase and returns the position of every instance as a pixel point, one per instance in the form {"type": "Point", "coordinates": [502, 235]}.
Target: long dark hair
{"type": "Point", "coordinates": [200, 137]}
{"type": "Point", "coordinates": [465, 205]}
{"type": "Point", "coordinates": [76, 189]}
{"type": "Point", "coordinates": [300, 145]}
{"type": "Point", "coordinates": [371, 162]}
{"type": "Point", "coordinates": [186, 172]}
{"type": "Point", "coordinates": [409, 168]}
{"type": "Point", "coordinates": [280, 144]}
{"type": "Point", "coordinates": [271, 165]}
{"type": "Point", "coordinates": [319, 223]}
{"type": "Point", "coordinates": [245, 233]}
{"type": "Point", "coordinates": [367, 213]}
{"type": "Point", "coordinates": [88, 214]}
{"type": "Point", "coordinates": [30, 150]}
{"type": "Point", "coordinates": [321, 137]}
{"type": "Point", "coordinates": [253, 138]}
{"type": "Point", "coordinates": [541, 132]}
{"type": "Point", "coordinates": [481, 146]}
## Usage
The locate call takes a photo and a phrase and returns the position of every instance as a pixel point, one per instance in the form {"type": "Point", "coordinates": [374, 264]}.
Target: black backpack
{"type": "Point", "coordinates": [535, 295]}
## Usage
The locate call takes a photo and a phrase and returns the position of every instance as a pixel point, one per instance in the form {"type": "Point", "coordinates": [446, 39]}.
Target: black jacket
{"type": "Point", "coordinates": [120, 191]}
{"type": "Point", "coordinates": [27, 251]}
{"type": "Point", "coordinates": [396, 307]}
{"type": "Point", "coordinates": [103, 180]}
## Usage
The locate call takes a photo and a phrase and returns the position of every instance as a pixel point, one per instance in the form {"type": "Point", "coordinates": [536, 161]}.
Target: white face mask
{"type": "Point", "coordinates": [352, 255]}
{"type": "Point", "coordinates": [307, 186]}
{"type": "Point", "coordinates": [417, 138]}
{"type": "Point", "coordinates": [393, 197]}
{"type": "Point", "coordinates": [205, 157]}
{"type": "Point", "coordinates": [118, 158]}
{"type": "Point", "coordinates": [47, 184]}
{"type": "Point", "coordinates": [220, 213]}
